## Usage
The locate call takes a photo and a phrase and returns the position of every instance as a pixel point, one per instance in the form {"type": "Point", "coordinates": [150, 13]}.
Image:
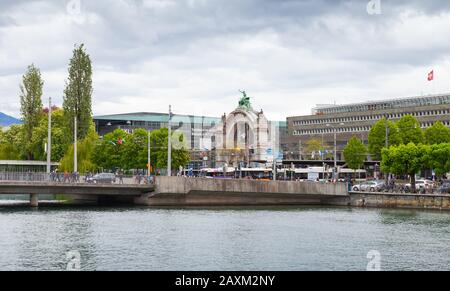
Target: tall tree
{"type": "Point", "coordinates": [122, 150]}
{"type": "Point", "coordinates": [355, 153]}
{"type": "Point", "coordinates": [85, 152]}
{"type": "Point", "coordinates": [405, 159]}
{"type": "Point", "coordinates": [377, 137]}
{"type": "Point", "coordinates": [409, 130]}
{"type": "Point", "coordinates": [109, 153]}
{"type": "Point", "coordinates": [136, 149]}
{"type": "Point", "coordinates": [30, 105]}
{"type": "Point", "coordinates": [11, 141]}
{"type": "Point", "coordinates": [78, 93]}
{"type": "Point", "coordinates": [439, 158]}
{"type": "Point", "coordinates": [437, 133]}
{"type": "Point", "coordinates": [159, 141]}
{"type": "Point", "coordinates": [59, 133]}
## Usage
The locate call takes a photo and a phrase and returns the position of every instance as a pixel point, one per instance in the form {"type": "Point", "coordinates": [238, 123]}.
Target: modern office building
{"type": "Point", "coordinates": [356, 120]}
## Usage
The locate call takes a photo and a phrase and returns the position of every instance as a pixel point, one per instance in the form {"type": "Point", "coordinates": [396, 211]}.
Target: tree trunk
{"type": "Point", "coordinates": [413, 183]}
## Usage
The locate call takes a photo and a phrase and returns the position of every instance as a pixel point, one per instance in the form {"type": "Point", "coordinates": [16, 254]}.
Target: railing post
{"type": "Point", "coordinates": [34, 200]}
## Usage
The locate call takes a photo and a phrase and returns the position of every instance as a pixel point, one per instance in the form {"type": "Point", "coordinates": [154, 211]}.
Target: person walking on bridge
{"type": "Point", "coordinates": [120, 175]}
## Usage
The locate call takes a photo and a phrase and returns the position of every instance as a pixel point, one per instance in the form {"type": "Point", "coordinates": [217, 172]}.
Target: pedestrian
{"type": "Point", "coordinates": [120, 177]}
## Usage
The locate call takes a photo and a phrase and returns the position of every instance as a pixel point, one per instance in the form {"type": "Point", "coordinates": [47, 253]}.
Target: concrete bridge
{"type": "Point", "coordinates": [208, 191]}
{"type": "Point", "coordinates": [186, 191]}
{"type": "Point", "coordinates": [79, 192]}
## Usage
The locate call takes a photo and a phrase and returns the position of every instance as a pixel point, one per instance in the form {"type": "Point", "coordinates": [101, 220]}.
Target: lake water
{"type": "Point", "coordinates": [241, 238]}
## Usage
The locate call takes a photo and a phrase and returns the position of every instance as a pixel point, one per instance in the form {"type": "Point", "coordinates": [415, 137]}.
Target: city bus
{"type": "Point", "coordinates": [358, 175]}
{"type": "Point", "coordinates": [319, 174]}
{"type": "Point", "coordinates": [297, 174]}
{"type": "Point", "coordinates": [264, 174]}
{"type": "Point", "coordinates": [244, 173]}
{"type": "Point", "coordinates": [217, 173]}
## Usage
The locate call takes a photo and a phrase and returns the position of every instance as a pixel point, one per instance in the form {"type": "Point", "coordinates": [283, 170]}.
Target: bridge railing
{"type": "Point", "coordinates": [23, 176]}
{"type": "Point", "coordinates": [70, 178]}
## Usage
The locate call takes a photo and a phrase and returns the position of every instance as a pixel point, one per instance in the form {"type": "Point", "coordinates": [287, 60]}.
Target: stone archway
{"type": "Point", "coordinates": [242, 136]}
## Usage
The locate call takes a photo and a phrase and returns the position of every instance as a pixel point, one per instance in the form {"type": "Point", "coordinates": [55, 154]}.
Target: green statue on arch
{"type": "Point", "coordinates": [244, 102]}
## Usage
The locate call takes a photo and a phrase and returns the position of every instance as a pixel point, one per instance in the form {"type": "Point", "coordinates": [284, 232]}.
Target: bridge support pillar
{"type": "Point", "coordinates": [34, 200]}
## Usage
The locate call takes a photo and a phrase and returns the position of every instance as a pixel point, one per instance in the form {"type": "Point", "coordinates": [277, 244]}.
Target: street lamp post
{"type": "Point", "coordinates": [387, 144]}
{"type": "Point", "coordinates": [169, 146]}
{"type": "Point", "coordinates": [323, 160]}
{"type": "Point", "coordinates": [335, 155]}
{"type": "Point", "coordinates": [148, 154]}
{"type": "Point", "coordinates": [274, 168]}
{"type": "Point", "coordinates": [335, 148]}
{"type": "Point", "coordinates": [75, 159]}
{"type": "Point", "coordinates": [49, 137]}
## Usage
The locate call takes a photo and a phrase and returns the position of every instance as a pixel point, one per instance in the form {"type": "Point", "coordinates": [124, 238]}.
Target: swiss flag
{"type": "Point", "coordinates": [431, 76]}
{"type": "Point", "coordinates": [119, 141]}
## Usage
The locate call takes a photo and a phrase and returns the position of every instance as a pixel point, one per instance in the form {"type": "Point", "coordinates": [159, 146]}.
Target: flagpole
{"type": "Point", "coordinates": [434, 85]}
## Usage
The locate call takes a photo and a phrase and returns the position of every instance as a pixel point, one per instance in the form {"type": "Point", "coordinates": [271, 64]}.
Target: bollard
{"type": "Point", "coordinates": [34, 200]}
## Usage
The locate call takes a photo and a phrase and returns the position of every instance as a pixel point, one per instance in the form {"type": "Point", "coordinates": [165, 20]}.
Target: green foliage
{"type": "Point", "coordinates": [409, 130]}
{"type": "Point", "coordinates": [136, 149]}
{"type": "Point", "coordinates": [11, 141]}
{"type": "Point", "coordinates": [132, 152]}
{"type": "Point", "coordinates": [438, 158]}
{"type": "Point", "coordinates": [109, 153]}
{"type": "Point", "coordinates": [60, 142]}
{"type": "Point", "coordinates": [355, 153]}
{"type": "Point", "coordinates": [437, 133]}
{"type": "Point", "coordinates": [312, 148]}
{"type": "Point", "coordinates": [30, 105]}
{"type": "Point", "coordinates": [159, 141]}
{"type": "Point", "coordinates": [405, 159]}
{"type": "Point", "coordinates": [377, 137]}
{"type": "Point", "coordinates": [85, 150]}
{"type": "Point", "coordinates": [77, 94]}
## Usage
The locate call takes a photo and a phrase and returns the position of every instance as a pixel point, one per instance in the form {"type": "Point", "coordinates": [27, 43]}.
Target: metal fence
{"type": "Point", "coordinates": [71, 178]}
{"type": "Point", "coordinates": [24, 176]}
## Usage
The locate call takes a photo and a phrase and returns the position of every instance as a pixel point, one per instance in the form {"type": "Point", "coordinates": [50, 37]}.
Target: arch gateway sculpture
{"type": "Point", "coordinates": [244, 136]}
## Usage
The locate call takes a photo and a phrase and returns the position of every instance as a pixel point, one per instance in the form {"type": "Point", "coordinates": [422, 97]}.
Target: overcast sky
{"type": "Point", "coordinates": [197, 54]}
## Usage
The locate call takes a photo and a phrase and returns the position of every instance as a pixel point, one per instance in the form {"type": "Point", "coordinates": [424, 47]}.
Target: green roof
{"type": "Point", "coordinates": [158, 117]}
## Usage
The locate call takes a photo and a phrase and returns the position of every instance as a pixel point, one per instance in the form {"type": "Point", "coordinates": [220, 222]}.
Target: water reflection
{"type": "Point", "coordinates": [257, 238]}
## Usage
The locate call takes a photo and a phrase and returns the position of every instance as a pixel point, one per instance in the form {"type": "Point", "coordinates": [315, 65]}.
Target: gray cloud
{"type": "Point", "coordinates": [196, 54]}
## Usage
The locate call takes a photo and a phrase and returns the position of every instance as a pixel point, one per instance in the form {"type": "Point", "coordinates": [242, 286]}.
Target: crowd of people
{"type": "Point", "coordinates": [66, 177]}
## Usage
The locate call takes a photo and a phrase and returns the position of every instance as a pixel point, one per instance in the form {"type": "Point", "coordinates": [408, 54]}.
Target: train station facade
{"type": "Point", "coordinates": [242, 136]}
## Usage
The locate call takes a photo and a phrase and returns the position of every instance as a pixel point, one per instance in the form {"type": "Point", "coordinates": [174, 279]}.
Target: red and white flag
{"type": "Point", "coordinates": [431, 75]}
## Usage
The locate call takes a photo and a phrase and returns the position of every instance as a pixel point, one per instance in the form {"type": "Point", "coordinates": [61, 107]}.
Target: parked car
{"type": "Point", "coordinates": [421, 185]}
{"type": "Point", "coordinates": [102, 178]}
{"type": "Point", "coordinates": [372, 186]}
{"type": "Point", "coordinates": [444, 188]}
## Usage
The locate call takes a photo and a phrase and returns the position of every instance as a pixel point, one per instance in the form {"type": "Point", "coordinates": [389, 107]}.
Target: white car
{"type": "Point", "coordinates": [421, 184]}
{"type": "Point", "coordinates": [371, 186]}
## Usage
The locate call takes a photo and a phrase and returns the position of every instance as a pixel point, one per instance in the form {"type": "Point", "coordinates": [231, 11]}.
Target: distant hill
{"type": "Point", "coordinates": [6, 120]}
